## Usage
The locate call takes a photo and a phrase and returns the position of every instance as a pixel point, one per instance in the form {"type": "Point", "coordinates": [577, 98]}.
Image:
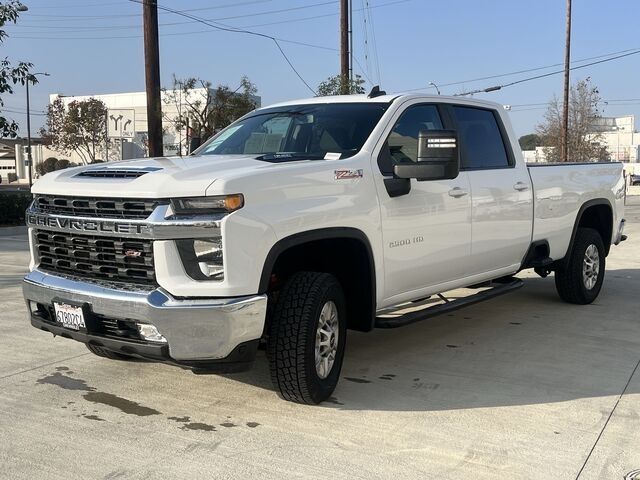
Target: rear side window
{"type": "Point", "coordinates": [480, 134]}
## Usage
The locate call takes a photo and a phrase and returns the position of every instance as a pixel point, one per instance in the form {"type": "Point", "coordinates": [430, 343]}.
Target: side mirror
{"type": "Point", "coordinates": [438, 157]}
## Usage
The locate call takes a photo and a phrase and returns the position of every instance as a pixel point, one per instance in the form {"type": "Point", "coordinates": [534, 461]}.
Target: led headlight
{"type": "Point", "coordinates": [204, 205]}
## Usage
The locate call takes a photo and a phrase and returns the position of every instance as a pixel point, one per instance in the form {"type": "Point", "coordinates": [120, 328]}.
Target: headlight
{"type": "Point", "coordinates": [204, 205]}
{"type": "Point", "coordinates": [202, 258]}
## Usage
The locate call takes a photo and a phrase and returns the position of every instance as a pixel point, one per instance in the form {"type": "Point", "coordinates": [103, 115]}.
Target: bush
{"type": "Point", "coordinates": [13, 206]}
{"type": "Point", "coordinates": [12, 177]}
{"type": "Point", "coordinates": [49, 165]}
{"type": "Point", "coordinates": [64, 163]}
{"type": "Point", "coordinates": [52, 164]}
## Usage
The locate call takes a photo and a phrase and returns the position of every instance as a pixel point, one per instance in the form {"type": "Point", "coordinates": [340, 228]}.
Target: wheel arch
{"type": "Point", "coordinates": [596, 214]}
{"type": "Point", "coordinates": [342, 251]}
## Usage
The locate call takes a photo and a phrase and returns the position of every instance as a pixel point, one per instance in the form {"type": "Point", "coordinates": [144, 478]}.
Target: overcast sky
{"type": "Point", "coordinates": [92, 47]}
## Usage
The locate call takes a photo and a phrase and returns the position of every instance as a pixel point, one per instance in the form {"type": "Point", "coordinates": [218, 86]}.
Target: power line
{"type": "Point", "coordinates": [72, 29]}
{"type": "Point", "coordinates": [528, 70]}
{"type": "Point", "coordinates": [294, 42]}
{"type": "Point", "coordinates": [23, 112]}
{"type": "Point", "coordinates": [232, 17]}
{"type": "Point", "coordinates": [537, 77]}
{"type": "Point", "coordinates": [235, 30]}
{"type": "Point", "coordinates": [122, 15]}
{"type": "Point", "coordinates": [373, 38]}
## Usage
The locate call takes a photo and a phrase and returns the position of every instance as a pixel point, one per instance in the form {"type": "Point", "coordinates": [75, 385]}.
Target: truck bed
{"type": "Point", "coordinates": [561, 189]}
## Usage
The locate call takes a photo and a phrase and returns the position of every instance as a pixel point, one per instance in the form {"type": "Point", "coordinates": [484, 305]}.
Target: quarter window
{"type": "Point", "coordinates": [480, 134]}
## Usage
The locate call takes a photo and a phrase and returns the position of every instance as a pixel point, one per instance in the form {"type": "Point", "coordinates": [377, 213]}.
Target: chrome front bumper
{"type": "Point", "coordinates": [195, 329]}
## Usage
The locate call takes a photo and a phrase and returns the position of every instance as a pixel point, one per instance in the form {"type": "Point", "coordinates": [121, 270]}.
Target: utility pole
{"type": "Point", "coordinates": [564, 146]}
{"type": "Point", "coordinates": [152, 76]}
{"type": "Point", "coordinates": [29, 157]}
{"type": "Point", "coordinates": [344, 47]}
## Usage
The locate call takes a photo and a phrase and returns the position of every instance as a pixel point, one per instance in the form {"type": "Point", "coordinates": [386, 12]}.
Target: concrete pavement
{"type": "Point", "coordinates": [521, 387]}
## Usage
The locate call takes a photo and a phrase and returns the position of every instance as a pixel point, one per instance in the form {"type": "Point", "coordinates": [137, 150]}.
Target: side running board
{"type": "Point", "coordinates": [390, 319]}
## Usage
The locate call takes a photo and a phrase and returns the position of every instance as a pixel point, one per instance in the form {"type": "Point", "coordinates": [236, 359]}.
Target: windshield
{"type": "Point", "coordinates": [312, 131]}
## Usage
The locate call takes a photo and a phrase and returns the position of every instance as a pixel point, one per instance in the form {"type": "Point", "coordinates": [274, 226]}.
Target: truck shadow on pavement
{"type": "Point", "coordinates": [521, 349]}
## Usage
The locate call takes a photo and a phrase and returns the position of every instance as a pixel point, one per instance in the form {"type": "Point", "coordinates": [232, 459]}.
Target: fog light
{"type": "Point", "coordinates": [150, 333]}
{"type": "Point", "coordinates": [209, 257]}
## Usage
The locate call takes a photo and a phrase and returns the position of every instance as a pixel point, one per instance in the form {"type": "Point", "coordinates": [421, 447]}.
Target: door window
{"type": "Point", "coordinates": [480, 134]}
{"type": "Point", "coordinates": [402, 143]}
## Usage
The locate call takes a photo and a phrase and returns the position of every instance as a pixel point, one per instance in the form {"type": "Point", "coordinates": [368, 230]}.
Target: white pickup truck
{"type": "Point", "coordinates": [305, 219]}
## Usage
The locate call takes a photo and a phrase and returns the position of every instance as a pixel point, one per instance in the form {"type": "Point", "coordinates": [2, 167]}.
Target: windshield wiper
{"type": "Point", "coordinates": [289, 156]}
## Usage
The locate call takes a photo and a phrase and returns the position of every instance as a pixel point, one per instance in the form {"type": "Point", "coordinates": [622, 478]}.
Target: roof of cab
{"type": "Point", "coordinates": [386, 99]}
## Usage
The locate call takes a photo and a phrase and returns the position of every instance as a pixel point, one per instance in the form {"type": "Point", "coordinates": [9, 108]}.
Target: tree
{"type": "Point", "coordinates": [206, 110]}
{"type": "Point", "coordinates": [10, 75]}
{"type": "Point", "coordinates": [333, 85]}
{"type": "Point", "coordinates": [584, 144]}
{"type": "Point", "coordinates": [80, 127]}
{"type": "Point", "coordinates": [530, 141]}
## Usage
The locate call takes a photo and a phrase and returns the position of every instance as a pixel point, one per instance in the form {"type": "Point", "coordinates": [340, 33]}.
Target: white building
{"type": "Point", "coordinates": [127, 120]}
{"type": "Point", "coordinates": [620, 136]}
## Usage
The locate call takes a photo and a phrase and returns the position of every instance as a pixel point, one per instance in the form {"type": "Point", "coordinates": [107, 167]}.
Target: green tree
{"type": "Point", "coordinates": [11, 75]}
{"type": "Point", "coordinates": [79, 127]}
{"type": "Point", "coordinates": [584, 144]}
{"type": "Point", "coordinates": [207, 110]}
{"type": "Point", "coordinates": [333, 86]}
{"type": "Point", "coordinates": [530, 141]}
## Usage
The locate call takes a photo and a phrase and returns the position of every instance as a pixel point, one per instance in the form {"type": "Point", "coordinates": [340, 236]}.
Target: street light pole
{"type": "Point", "coordinates": [29, 156]}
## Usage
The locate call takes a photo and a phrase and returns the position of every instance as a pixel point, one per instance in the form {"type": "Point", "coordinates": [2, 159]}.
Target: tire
{"type": "Point", "coordinates": [292, 343]}
{"type": "Point", "coordinates": [110, 354]}
{"type": "Point", "coordinates": [580, 279]}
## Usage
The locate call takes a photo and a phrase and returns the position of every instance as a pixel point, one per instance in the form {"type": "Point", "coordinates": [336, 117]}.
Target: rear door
{"type": "Point", "coordinates": [502, 208]}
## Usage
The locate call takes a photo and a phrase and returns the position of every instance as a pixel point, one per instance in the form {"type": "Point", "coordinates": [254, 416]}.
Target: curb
{"type": "Point", "coordinates": [13, 231]}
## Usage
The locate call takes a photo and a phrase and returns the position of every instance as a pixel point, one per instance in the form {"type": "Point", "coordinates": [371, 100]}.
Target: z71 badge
{"type": "Point", "coordinates": [347, 174]}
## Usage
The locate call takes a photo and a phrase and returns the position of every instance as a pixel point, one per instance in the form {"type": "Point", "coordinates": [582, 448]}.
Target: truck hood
{"type": "Point", "coordinates": [160, 177]}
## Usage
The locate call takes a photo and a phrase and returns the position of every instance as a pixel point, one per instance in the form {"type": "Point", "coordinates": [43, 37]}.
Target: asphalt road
{"type": "Point", "coordinates": [521, 387]}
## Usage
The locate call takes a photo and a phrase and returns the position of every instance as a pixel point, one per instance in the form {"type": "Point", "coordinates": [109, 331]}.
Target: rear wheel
{"type": "Point", "coordinates": [110, 354]}
{"type": "Point", "coordinates": [580, 279]}
{"type": "Point", "coordinates": [307, 338]}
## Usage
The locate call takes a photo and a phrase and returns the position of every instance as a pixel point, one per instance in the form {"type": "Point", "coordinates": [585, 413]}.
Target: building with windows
{"type": "Point", "coordinates": [127, 120]}
{"type": "Point", "coordinates": [620, 137]}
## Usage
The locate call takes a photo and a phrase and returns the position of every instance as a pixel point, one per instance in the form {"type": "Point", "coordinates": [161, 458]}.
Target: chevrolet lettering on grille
{"type": "Point", "coordinates": [86, 225]}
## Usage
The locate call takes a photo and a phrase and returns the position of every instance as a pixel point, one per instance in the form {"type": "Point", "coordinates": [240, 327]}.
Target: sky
{"type": "Point", "coordinates": [93, 47]}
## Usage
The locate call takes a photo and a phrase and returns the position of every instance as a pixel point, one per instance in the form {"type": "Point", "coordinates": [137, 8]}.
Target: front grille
{"type": "Point", "coordinates": [118, 260]}
{"type": "Point", "coordinates": [95, 207]}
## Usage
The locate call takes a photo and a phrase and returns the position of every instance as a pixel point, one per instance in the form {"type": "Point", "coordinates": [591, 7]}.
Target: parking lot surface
{"type": "Point", "coordinates": [520, 387]}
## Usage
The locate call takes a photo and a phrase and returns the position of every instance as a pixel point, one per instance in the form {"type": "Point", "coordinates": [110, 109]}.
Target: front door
{"type": "Point", "coordinates": [427, 232]}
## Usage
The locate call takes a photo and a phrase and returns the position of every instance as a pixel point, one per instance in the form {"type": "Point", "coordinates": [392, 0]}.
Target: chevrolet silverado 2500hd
{"type": "Point", "coordinates": [305, 219]}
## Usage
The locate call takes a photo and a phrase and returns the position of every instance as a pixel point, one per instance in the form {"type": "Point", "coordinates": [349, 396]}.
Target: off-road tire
{"type": "Point", "coordinates": [569, 277]}
{"type": "Point", "coordinates": [292, 337]}
{"type": "Point", "coordinates": [110, 354]}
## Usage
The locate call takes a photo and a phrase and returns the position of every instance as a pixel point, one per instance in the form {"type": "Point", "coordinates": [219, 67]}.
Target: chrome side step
{"type": "Point", "coordinates": [388, 319]}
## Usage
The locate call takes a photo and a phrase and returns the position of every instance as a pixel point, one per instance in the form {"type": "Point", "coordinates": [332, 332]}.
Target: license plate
{"type": "Point", "coordinates": [69, 316]}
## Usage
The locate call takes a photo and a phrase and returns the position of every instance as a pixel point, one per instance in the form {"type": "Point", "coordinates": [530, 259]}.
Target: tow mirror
{"type": "Point", "coordinates": [438, 157]}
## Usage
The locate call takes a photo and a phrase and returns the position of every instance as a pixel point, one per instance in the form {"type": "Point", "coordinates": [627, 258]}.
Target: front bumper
{"type": "Point", "coordinates": [198, 331]}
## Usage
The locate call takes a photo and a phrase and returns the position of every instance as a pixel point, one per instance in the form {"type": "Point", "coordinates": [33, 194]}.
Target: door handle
{"type": "Point", "coordinates": [521, 186]}
{"type": "Point", "coordinates": [458, 192]}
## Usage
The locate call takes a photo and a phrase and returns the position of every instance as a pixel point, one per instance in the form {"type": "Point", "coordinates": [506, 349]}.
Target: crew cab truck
{"type": "Point", "coordinates": [305, 219]}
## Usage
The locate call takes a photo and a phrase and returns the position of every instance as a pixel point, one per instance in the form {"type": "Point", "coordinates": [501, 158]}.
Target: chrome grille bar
{"type": "Point", "coordinates": [111, 259]}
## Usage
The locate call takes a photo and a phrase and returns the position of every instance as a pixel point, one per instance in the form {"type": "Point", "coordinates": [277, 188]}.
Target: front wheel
{"type": "Point", "coordinates": [307, 338]}
{"type": "Point", "coordinates": [580, 279]}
